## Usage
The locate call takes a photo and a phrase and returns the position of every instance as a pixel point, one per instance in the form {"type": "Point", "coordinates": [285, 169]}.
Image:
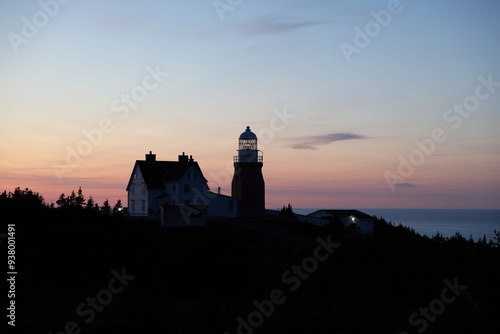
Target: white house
{"type": "Point", "coordinates": [175, 191]}
{"type": "Point", "coordinates": [349, 218]}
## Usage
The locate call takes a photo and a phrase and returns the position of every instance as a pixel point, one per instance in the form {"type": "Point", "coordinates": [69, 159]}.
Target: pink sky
{"type": "Point", "coordinates": [116, 80]}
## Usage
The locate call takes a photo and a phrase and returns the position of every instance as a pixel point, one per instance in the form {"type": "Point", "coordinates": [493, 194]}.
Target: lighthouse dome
{"type": "Point", "coordinates": [248, 134]}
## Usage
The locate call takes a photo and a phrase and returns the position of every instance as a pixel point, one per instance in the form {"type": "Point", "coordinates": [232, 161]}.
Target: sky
{"type": "Point", "coordinates": [356, 104]}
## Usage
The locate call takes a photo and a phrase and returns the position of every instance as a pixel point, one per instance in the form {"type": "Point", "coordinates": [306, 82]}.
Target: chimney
{"type": "Point", "coordinates": [191, 158]}
{"type": "Point", "coordinates": [183, 158]}
{"type": "Point", "coordinates": [218, 190]}
{"type": "Point", "coordinates": [151, 157]}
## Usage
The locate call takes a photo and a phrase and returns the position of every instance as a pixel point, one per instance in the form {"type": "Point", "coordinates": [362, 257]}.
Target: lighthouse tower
{"type": "Point", "coordinates": [248, 182]}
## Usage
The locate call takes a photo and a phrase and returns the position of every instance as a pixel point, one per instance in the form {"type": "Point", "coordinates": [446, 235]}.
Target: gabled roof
{"type": "Point", "coordinates": [345, 213]}
{"type": "Point", "coordinates": [156, 173]}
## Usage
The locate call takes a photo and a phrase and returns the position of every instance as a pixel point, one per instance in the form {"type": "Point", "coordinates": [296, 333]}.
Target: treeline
{"type": "Point", "coordinates": [201, 280]}
{"type": "Point", "coordinates": [389, 229]}
{"type": "Point", "coordinates": [22, 201]}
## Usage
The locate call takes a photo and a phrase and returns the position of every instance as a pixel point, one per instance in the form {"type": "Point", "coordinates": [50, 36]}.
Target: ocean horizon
{"type": "Point", "coordinates": [469, 222]}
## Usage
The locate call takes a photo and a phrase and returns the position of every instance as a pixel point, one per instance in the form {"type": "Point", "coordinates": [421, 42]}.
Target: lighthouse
{"type": "Point", "coordinates": [248, 183]}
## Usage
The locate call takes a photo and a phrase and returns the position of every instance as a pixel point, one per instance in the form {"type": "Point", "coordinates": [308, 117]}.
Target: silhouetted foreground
{"type": "Point", "coordinates": [102, 273]}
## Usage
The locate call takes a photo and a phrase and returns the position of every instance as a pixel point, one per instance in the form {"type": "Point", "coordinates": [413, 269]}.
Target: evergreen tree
{"type": "Point", "coordinates": [90, 204]}
{"type": "Point", "coordinates": [22, 199]}
{"type": "Point", "coordinates": [117, 209]}
{"type": "Point", "coordinates": [79, 199]}
{"type": "Point", "coordinates": [495, 241]}
{"type": "Point", "coordinates": [106, 208]}
{"type": "Point", "coordinates": [287, 211]}
{"type": "Point", "coordinates": [62, 201]}
{"type": "Point", "coordinates": [72, 199]}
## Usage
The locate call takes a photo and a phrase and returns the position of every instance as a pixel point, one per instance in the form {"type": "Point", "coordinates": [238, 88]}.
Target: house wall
{"type": "Point", "coordinates": [154, 201]}
{"type": "Point", "coordinates": [221, 205]}
{"type": "Point", "coordinates": [366, 226]}
{"type": "Point", "coordinates": [195, 183]}
{"type": "Point", "coordinates": [312, 220]}
{"type": "Point", "coordinates": [137, 194]}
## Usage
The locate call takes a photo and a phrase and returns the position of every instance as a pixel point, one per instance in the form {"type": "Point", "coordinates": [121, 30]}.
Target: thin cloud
{"type": "Point", "coordinates": [310, 143]}
{"type": "Point", "coordinates": [273, 25]}
{"type": "Point", "coordinates": [406, 185]}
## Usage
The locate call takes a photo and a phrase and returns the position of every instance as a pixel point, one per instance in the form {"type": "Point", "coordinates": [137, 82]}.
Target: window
{"type": "Point", "coordinates": [140, 176]}
{"type": "Point", "coordinates": [230, 206]}
{"type": "Point", "coordinates": [143, 205]}
{"type": "Point", "coordinates": [186, 188]}
{"type": "Point", "coordinates": [135, 176]}
{"type": "Point", "coordinates": [132, 205]}
{"type": "Point", "coordinates": [173, 188]}
{"type": "Point", "coordinates": [186, 202]}
{"type": "Point", "coordinates": [132, 188]}
{"type": "Point", "coordinates": [143, 188]}
{"type": "Point", "coordinates": [188, 176]}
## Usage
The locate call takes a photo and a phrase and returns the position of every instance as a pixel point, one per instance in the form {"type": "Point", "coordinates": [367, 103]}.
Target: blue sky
{"type": "Point", "coordinates": [225, 74]}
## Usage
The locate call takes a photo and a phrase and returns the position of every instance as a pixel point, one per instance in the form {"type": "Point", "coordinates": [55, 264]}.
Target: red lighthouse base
{"type": "Point", "coordinates": [248, 187]}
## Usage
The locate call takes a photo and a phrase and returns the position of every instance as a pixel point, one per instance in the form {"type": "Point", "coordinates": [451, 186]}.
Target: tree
{"type": "Point", "coordinates": [118, 208]}
{"type": "Point", "coordinates": [79, 199]}
{"type": "Point", "coordinates": [72, 199]}
{"type": "Point", "coordinates": [91, 205]}
{"type": "Point", "coordinates": [496, 238]}
{"type": "Point", "coordinates": [106, 208]}
{"type": "Point", "coordinates": [22, 199]}
{"type": "Point", "coordinates": [287, 211]}
{"type": "Point", "coordinates": [62, 201]}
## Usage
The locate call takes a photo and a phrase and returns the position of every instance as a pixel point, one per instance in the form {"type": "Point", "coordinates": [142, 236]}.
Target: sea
{"type": "Point", "coordinates": [475, 223]}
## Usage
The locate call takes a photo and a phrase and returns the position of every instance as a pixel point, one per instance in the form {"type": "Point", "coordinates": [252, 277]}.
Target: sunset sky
{"type": "Point", "coordinates": [338, 92]}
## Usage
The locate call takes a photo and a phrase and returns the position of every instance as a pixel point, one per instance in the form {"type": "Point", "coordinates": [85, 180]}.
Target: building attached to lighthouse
{"type": "Point", "coordinates": [248, 182]}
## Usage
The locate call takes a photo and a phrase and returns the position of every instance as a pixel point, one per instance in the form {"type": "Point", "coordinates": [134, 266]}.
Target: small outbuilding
{"type": "Point", "coordinates": [349, 218]}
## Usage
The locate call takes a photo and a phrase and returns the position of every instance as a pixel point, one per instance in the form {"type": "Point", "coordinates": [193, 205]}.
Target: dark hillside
{"type": "Point", "coordinates": [210, 280]}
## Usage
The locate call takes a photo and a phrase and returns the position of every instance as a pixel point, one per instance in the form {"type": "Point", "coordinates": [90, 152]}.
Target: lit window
{"type": "Point", "coordinates": [143, 188]}
{"type": "Point", "coordinates": [135, 176]}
